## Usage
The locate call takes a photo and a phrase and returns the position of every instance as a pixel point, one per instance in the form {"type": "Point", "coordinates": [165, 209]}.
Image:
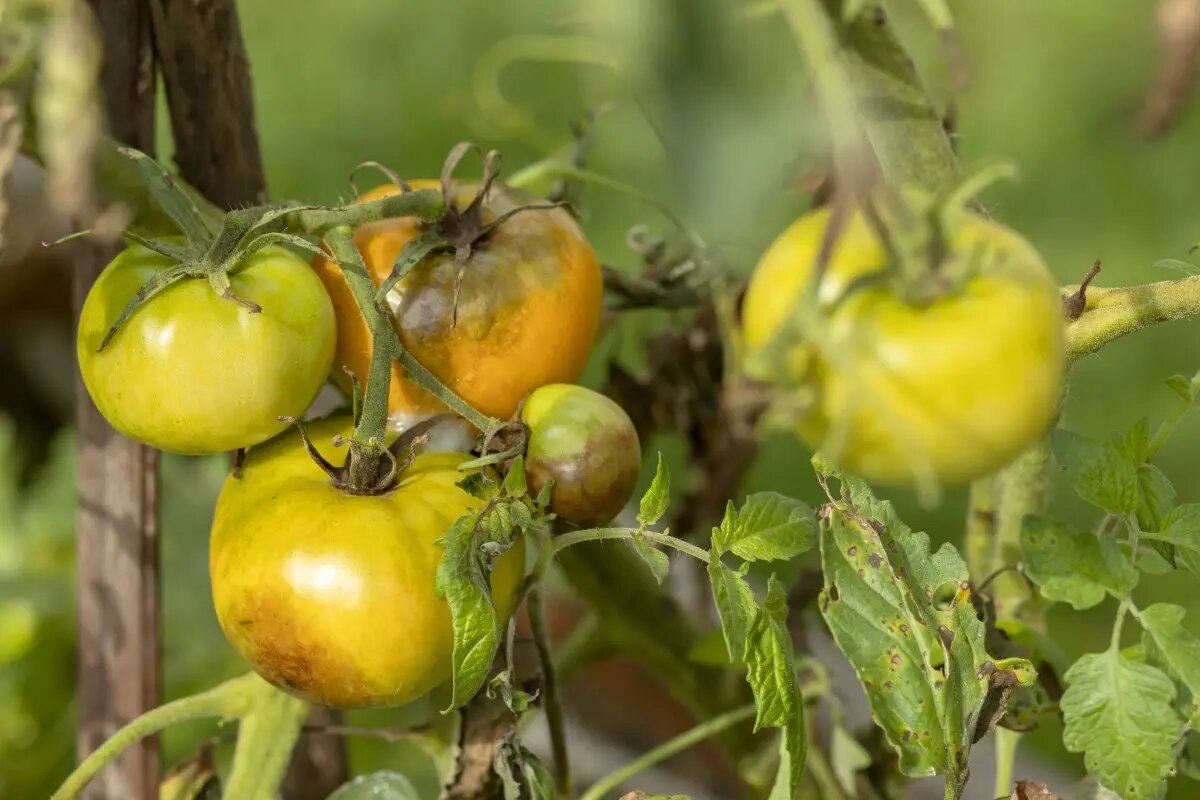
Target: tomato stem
{"type": "Point", "coordinates": [1113, 313]}
{"type": "Point", "coordinates": [683, 741]}
{"type": "Point", "coordinates": [237, 698]}
{"type": "Point", "coordinates": [597, 534]}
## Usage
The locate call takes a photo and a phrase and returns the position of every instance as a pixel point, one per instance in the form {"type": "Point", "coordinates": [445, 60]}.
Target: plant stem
{"type": "Point", "coordinates": [1021, 488]}
{"type": "Point", "coordinates": [266, 736]}
{"type": "Point", "coordinates": [1112, 313]}
{"type": "Point", "coordinates": [1114, 642]}
{"type": "Point", "coordinates": [1006, 742]}
{"type": "Point", "coordinates": [369, 439]}
{"type": "Point", "coordinates": [420, 375]}
{"type": "Point", "coordinates": [597, 534]}
{"type": "Point", "coordinates": [233, 698]}
{"type": "Point", "coordinates": [317, 220]}
{"type": "Point", "coordinates": [551, 699]}
{"type": "Point", "coordinates": [981, 529]}
{"type": "Point", "coordinates": [667, 749]}
{"type": "Point", "coordinates": [1172, 421]}
{"type": "Point", "coordinates": [822, 773]}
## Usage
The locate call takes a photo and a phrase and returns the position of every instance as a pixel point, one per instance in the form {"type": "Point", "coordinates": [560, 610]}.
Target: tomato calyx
{"type": "Point", "coordinates": [360, 474]}
{"type": "Point", "coordinates": [457, 230]}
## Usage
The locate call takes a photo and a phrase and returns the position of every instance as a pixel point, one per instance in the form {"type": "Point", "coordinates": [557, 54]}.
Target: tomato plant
{"type": "Point", "coordinates": [193, 372]}
{"type": "Point", "coordinates": [902, 334]}
{"type": "Point", "coordinates": [949, 388]}
{"type": "Point", "coordinates": [518, 308]}
{"type": "Point", "coordinates": [331, 596]}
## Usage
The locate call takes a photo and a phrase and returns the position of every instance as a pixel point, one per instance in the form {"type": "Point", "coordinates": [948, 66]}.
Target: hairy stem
{"type": "Point", "coordinates": [1112, 313]}
{"type": "Point", "coordinates": [598, 534]}
{"type": "Point", "coordinates": [1005, 742]}
{"type": "Point", "coordinates": [551, 699]}
{"type": "Point", "coordinates": [234, 698]}
{"type": "Point", "coordinates": [682, 742]}
{"type": "Point", "coordinates": [1022, 488]}
{"type": "Point", "coordinates": [266, 736]}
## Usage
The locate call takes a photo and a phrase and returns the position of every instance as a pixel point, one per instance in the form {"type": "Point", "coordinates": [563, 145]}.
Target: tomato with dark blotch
{"type": "Point", "coordinates": [330, 596]}
{"type": "Point", "coordinates": [193, 372]}
{"type": "Point", "coordinates": [587, 445]}
{"type": "Point", "coordinates": [940, 389]}
{"type": "Point", "coordinates": [522, 311]}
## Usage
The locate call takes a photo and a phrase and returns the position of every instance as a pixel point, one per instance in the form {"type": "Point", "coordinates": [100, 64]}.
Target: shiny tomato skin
{"type": "Point", "coordinates": [527, 312]}
{"type": "Point", "coordinates": [948, 390]}
{"type": "Point", "coordinates": [191, 372]}
{"type": "Point", "coordinates": [585, 443]}
{"type": "Point", "coordinates": [331, 596]}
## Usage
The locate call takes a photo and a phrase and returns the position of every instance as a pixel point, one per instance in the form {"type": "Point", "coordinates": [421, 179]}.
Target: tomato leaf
{"type": "Point", "coordinates": [904, 618]}
{"type": "Point", "coordinates": [655, 559]}
{"type": "Point", "coordinates": [383, 785]}
{"type": "Point", "coordinates": [1174, 649]}
{"type": "Point", "coordinates": [768, 527]}
{"type": "Point", "coordinates": [847, 757]}
{"type": "Point", "coordinates": [1181, 527]}
{"type": "Point", "coordinates": [522, 775]}
{"type": "Point", "coordinates": [658, 497]}
{"type": "Point", "coordinates": [1075, 567]}
{"type": "Point", "coordinates": [1119, 714]}
{"type": "Point", "coordinates": [514, 479]}
{"type": "Point", "coordinates": [463, 578]}
{"type": "Point", "coordinates": [735, 603]}
{"type": "Point", "coordinates": [771, 673]}
{"type": "Point", "coordinates": [1103, 474]}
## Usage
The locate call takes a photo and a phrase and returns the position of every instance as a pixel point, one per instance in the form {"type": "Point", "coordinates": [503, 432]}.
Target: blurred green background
{"type": "Point", "coordinates": [705, 106]}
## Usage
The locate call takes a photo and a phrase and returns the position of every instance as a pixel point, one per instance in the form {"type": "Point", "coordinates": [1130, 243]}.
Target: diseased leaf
{"type": "Point", "coordinates": [1119, 714]}
{"type": "Point", "coordinates": [383, 785]}
{"type": "Point", "coordinates": [463, 578]}
{"type": "Point", "coordinates": [1181, 527]}
{"type": "Point", "coordinates": [771, 673]}
{"type": "Point", "coordinates": [904, 618]}
{"type": "Point", "coordinates": [658, 497]}
{"type": "Point", "coordinates": [735, 603]}
{"type": "Point", "coordinates": [1072, 566]}
{"type": "Point", "coordinates": [768, 527]}
{"type": "Point", "coordinates": [1175, 649]}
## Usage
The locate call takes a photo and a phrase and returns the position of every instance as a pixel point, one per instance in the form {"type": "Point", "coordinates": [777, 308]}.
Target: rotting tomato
{"type": "Point", "coordinates": [523, 312]}
{"type": "Point", "coordinates": [903, 392]}
{"type": "Point", "coordinates": [587, 445]}
{"type": "Point", "coordinates": [330, 596]}
{"type": "Point", "coordinates": [192, 372]}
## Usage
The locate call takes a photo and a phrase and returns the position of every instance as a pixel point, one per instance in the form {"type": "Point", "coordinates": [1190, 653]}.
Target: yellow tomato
{"type": "Point", "coordinates": [903, 392]}
{"type": "Point", "coordinates": [331, 596]}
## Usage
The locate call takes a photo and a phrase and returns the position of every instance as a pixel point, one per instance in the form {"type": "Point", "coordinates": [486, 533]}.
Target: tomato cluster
{"type": "Point", "coordinates": [327, 586]}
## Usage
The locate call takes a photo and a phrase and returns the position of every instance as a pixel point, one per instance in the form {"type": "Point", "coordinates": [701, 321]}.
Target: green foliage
{"type": "Point", "coordinates": [904, 618]}
{"type": "Point", "coordinates": [471, 548]}
{"type": "Point", "coordinates": [1075, 567]}
{"type": "Point", "coordinates": [657, 498]}
{"type": "Point", "coordinates": [1119, 714]}
{"type": "Point", "coordinates": [384, 785]}
{"type": "Point", "coordinates": [768, 527]}
{"type": "Point", "coordinates": [1104, 474]}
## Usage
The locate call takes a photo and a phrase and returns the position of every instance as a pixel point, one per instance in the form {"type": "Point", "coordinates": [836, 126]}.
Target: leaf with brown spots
{"type": "Point", "coordinates": [904, 618]}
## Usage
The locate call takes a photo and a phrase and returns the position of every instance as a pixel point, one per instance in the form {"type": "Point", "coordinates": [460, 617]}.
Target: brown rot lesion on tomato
{"type": "Point", "coordinates": [461, 228]}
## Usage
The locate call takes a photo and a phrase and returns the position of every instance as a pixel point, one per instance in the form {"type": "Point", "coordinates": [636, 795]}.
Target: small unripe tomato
{"type": "Point", "coordinates": [587, 444]}
{"type": "Point", "coordinates": [904, 392]}
{"type": "Point", "coordinates": [330, 596]}
{"type": "Point", "coordinates": [192, 372]}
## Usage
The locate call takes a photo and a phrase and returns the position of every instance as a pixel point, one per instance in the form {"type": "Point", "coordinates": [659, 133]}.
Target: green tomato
{"type": "Point", "coordinates": [191, 372]}
{"type": "Point", "coordinates": [587, 445]}
{"type": "Point", "coordinates": [902, 392]}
